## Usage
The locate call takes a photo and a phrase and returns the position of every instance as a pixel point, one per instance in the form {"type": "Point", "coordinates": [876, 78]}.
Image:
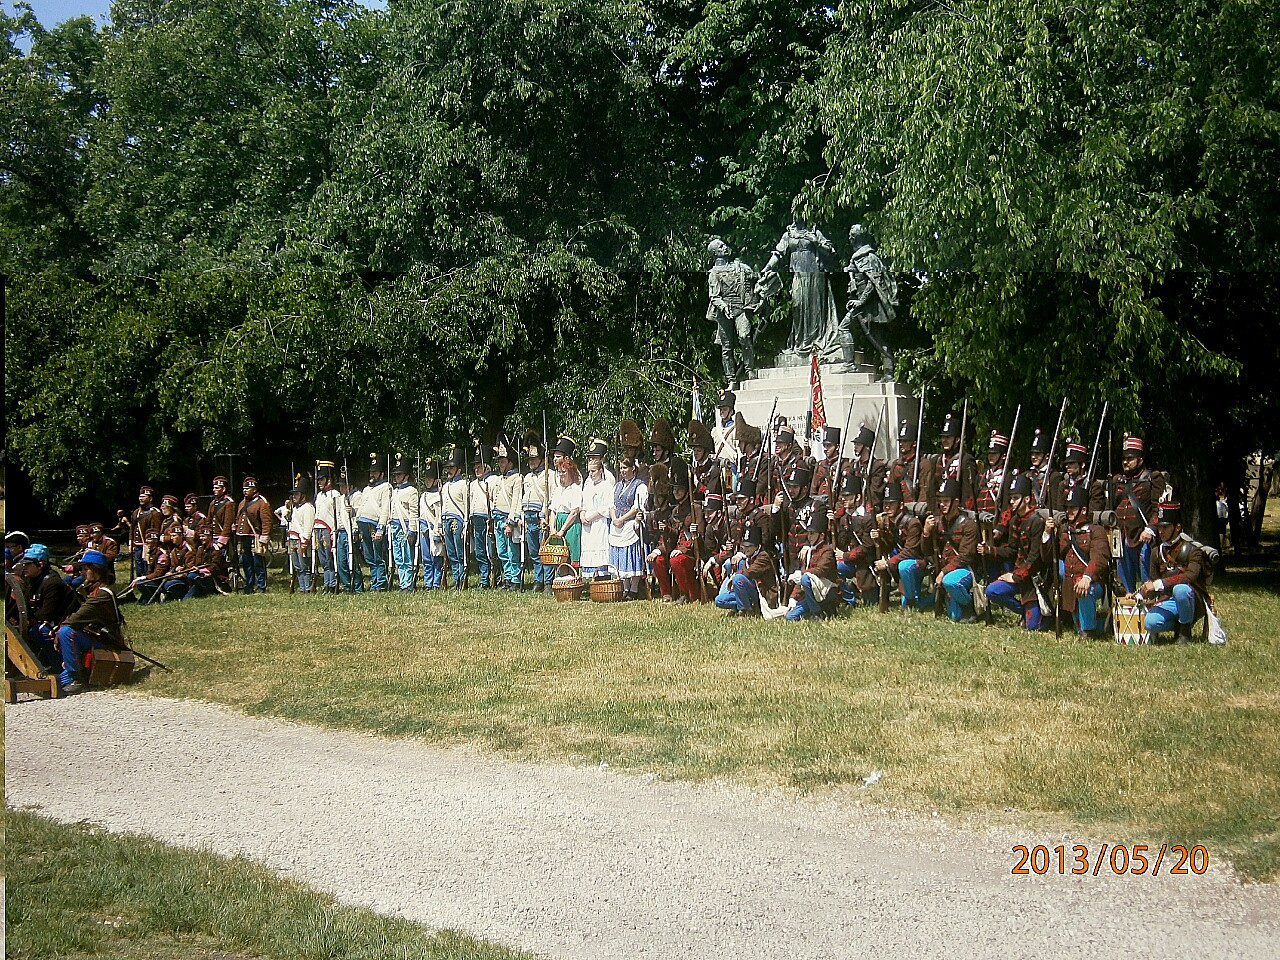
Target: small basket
{"type": "Point", "coordinates": [554, 552]}
{"type": "Point", "coordinates": [606, 589]}
{"type": "Point", "coordinates": [568, 589]}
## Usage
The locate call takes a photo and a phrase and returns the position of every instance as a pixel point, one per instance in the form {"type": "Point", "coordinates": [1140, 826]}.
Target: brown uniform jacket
{"type": "Point", "coordinates": [959, 542]}
{"type": "Point", "coordinates": [1086, 552]}
{"type": "Point", "coordinates": [253, 517]}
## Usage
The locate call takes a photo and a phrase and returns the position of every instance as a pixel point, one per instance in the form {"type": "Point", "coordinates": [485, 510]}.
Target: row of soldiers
{"type": "Point", "coordinates": [833, 529]}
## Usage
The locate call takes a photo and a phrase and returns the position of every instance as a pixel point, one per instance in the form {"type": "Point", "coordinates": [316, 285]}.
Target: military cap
{"type": "Point", "coordinates": [949, 489]}
{"type": "Point", "coordinates": [798, 474]}
{"type": "Point", "coordinates": [532, 446]}
{"type": "Point", "coordinates": [1132, 444]}
{"type": "Point", "coordinates": [400, 463]}
{"type": "Point", "coordinates": [661, 435]}
{"type": "Point", "coordinates": [659, 480]}
{"type": "Point", "coordinates": [629, 434]}
{"type": "Point", "coordinates": [189, 499]}
{"type": "Point", "coordinates": [680, 474]}
{"type": "Point", "coordinates": [906, 430]}
{"type": "Point", "coordinates": [852, 485]}
{"type": "Point", "coordinates": [147, 489]}
{"type": "Point", "coordinates": [998, 442]}
{"type": "Point", "coordinates": [1040, 442]}
{"type": "Point", "coordinates": [1021, 486]}
{"type": "Point", "coordinates": [831, 435]}
{"type": "Point", "coordinates": [597, 448]}
{"type": "Point", "coordinates": [746, 487]}
{"type": "Point", "coordinates": [457, 457]}
{"type": "Point", "coordinates": [728, 399]}
{"type": "Point", "coordinates": [17, 536]}
{"type": "Point", "coordinates": [250, 482]}
{"type": "Point", "coordinates": [480, 454]}
{"type": "Point", "coordinates": [97, 527]}
{"type": "Point", "coordinates": [82, 528]}
{"type": "Point", "coordinates": [36, 553]}
{"type": "Point", "coordinates": [745, 432]}
{"type": "Point", "coordinates": [566, 447]}
{"type": "Point", "coordinates": [865, 438]}
{"type": "Point", "coordinates": [220, 479]}
{"type": "Point", "coordinates": [376, 463]}
{"type": "Point", "coordinates": [151, 536]}
{"type": "Point", "coordinates": [752, 534]}
{"type": "Point", "coordinates": [324, 470]}
{"type": "Point", "coordinates": [950, 426]}
{"type": "Point", "coordinates": [1077, 496]}
{"type": "Point", "coordinates": [94, 558]}
{"type": "Point", "coordinates": [505, 449]}
{"type": "Point", "coordinates": [893, 493]}
{"type": "Point", "coordinates": [713, 501]}
{"type": "Point", "coordinates": [430, 470]}
{"type": "Point", "coordinates": [700, 436]}
{"type": "Point", "coordinates": [1169, 512]}
{"type": "Point", "coordinates": [818, 518]}
{"type": "Point", "coordinates": [170, 499]}
{"type": "Point", "coordinates": [1076, 453]}
{"type": "Point", "coordinates": [784, 433]}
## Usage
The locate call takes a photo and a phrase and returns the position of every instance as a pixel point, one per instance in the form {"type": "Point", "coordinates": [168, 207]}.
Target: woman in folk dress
{"type": "Point", "coordinates": [597, 499]}
{"type": "Point", "coordinates": [566, 499]}
{"type": "Point", "coordinates": [626, 547]}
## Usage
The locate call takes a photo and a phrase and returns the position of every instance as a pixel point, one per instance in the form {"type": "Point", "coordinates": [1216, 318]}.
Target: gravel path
{"type": "Point", "coordinates": [579, 862]}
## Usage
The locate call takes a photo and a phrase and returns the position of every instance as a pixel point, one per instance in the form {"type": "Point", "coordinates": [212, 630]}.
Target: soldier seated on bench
{"type": "Point", "coordinates": [97, 623]}
{"type": "Point", "coordinates": [49, 600]}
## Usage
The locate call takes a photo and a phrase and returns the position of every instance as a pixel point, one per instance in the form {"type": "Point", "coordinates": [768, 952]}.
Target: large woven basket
{"type": "Point", "coordinates": [554, 552]}
{"type": "Point", "coordinates": [570, 589]}
{"type": "Point", "coordinates": [606, 589]}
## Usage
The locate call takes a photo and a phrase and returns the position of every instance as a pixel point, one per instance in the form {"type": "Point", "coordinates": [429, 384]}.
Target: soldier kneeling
{"type": "Point", "coordinates": [1176, 595]}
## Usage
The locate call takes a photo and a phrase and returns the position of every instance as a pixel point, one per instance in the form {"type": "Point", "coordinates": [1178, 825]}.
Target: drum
{"type": "Point", "coordinates": [1128, 618]}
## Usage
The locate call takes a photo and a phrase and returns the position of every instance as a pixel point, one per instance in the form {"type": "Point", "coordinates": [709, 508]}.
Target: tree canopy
{"type": "Point", "coordinates": [305, 225]}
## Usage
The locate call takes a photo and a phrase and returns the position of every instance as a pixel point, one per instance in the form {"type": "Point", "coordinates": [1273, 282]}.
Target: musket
{"type": "Point", "coordinates": [391, 498]}
{"type": "Point", "coordinates": [835, 483]}
{"type": "Point", "coordinates": [964, 424]}
{"type": "Point", "coordinates": [1048, 465]}
{"type": "Point", "coordinates": [1004, 474]}
{"type": "Point", "coordinates": [882, 576]}
{"type": "Point", "coordinates": [915, 475]}
{"type": "Point", "coordinates": [346, 499]}
{"type": "Point", "coordinates": [1093, 459]}
{"type": "Point", "coordinates": [697, 514]}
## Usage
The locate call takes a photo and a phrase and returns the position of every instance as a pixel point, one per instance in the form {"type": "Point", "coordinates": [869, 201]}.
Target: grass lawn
{"type": "Point", "coordinates": [80, 893]}
{"type": "Point", "coordinates": [1146, 744]}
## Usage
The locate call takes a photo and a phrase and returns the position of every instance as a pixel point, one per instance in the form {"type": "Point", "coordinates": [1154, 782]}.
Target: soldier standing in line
{"type": "Point", "coordinates": [144, 519]}
{"type": "Point", "coordinates": [948, 463]}
{"type": "Point", "coordinates": [825, 483]}
{"type": "Point", "coordinates": [536, 491]}
{"type": "Point", "coordinates": [373, 515]}
{"type": "Point", "coordinates": [724, 434]}
{"type": "Point", "coordinates": [456, 508]}
{"type": "Point", "coordinates": [431, 526]}
{"type": "Point", "coordinates": [192, 517]}
{"type": "Point", "coordinates": [347, 552]}
{"type": "Point", "coordinates": [902, 471]}
{"type": "Point", "coordinates": [508, 492]}
{"type": "Point", "coordinates": [222, 516]}
{"type": "Point", "coordinates": [253, 530]}
{"type": "Point", "coordinates": [108, 547]}
{"type": "Point", "coordinates": [482, 492]}
{"type": "Point", "coordinates": [1046, 482]}
{"type": "Point", "coordinates": [662, 442]}
{"type": "Point", "coordinates": [992, 521]}
{"type": "Point", "coordinates": [870, 468]}
{"type": "Point", "coordinates": [403, 524]}
{"type": "Point", "coordinates": [1135, 492]}
{"type": "Point", "coordinates": [1074, 475]}
{"type": "Point", "coordinates": [302, 521]}
{"type": "Point", "coordinates": [328, 503]}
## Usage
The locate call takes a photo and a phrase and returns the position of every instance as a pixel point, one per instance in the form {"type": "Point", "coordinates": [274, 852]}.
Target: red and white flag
{"type": "Point", "coordinates": [817, 411]}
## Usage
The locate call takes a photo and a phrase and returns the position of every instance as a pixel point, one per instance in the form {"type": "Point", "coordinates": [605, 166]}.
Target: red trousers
{"type": "Point", "coordinates": [681, 566]}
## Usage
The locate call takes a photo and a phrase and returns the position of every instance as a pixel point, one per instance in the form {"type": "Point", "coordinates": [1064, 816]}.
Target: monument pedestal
{"type": "Point", "coordinates": [840, 389]}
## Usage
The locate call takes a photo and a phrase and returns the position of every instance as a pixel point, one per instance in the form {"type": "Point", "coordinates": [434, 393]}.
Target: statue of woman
{"type": "Point", "coordinates": [807, 254]}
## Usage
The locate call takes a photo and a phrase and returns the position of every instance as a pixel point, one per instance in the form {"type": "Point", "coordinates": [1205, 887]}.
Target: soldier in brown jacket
{"type": "Point", "coordinates": [814, 587]}
{"type": "Point", "coordinates": [755, 577]}
{"type": "Point", "coordinates": [253, 529]}
{"type": "Point", "coordinates": [955, 539]}
{"type": "Point", "coordinates": [1178, 567]}
{"type": "Point", "coordinates": [142, 521]}
{"type": "Point", "coordinates": [1086, 562]}
{"type": "Point", "coordinates": [1135, 492]}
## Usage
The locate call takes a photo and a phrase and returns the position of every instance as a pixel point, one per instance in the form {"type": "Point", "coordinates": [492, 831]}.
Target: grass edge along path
{"type": "Point", "coordinates": [1176, 744]}
{"type": "Point", "coordinates": [79, 892]}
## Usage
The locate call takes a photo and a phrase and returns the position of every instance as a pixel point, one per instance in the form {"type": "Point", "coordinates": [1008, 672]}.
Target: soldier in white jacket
{"type": "Point", "coordinates": [455, 509]}
{"type": "Point", "coordinates": [347, 552]}
{"type": "Point", "coordinates": [431, 526]}
{"type": "Point", "coordinates": [483, 492]}
{"type": "Point", "coordinates": [506, 514]}
{"type": "Point", "coordinates": [372, 516]}
{"type": "Point", "coordinates": [328, 502]}
{"type": "Point", "coordinates": [404, 522]}
{"type": "Point", "coordinates": [302, 519]}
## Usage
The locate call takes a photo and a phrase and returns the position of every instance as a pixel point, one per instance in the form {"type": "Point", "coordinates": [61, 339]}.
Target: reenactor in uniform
{"type": "Point", "coordinates": [871, 469]}
{"type": "Point", "coordinates": [1176, 591]}
{"type": "Point", "coordinates": [253, 531]}
{"type": "Point", "coordinates": [372, 517]}
{"type": "Point", "coordinates": [954, 537]}
{"type": "Point", "coordinates": [658, 536]}
{"type": "Point", "coordinates": [328, 502]}
{"type": "Point", "coordinates": [347, 551]}
{"type": "Point", "coordinates": [903, 470]}
{"type": "Point", "coordinates": [431, 526]}
{"type": "Point", "coordinates": [49, 599]}
{"type": "Point", "coordinates": [480, 494]}
{"type": "Point", "coordinates": [794, 506]}
{"type": "Point", "coordinates": [671, 536]}
{"type": "Point", "coordinates": [94, 623]}
{"type": "Point", "coordinates": [948, 464]}
{"type": "Point", "coordinates": [108, 547]}
{"type": "Point", "coordinates": [754, 463]}
{"type": "Point", "coordinates": [403, 522]}
{"type": "Point", "coordinates": [15, 544]}
{"type": "Point", "coordinates": [724, 434]}
{"type": "Point", "coordinates": [1086, 561]}
{"type": "Point", "coordinates": [209, 567]}
{"type": "Point", "coordinates": [222, 515]}
{"type": "Point", "coordinates": [507, 507]}
{"type": "Point", "coordinates": [534, 499]}
{"type": "Point", "coordinates": [302, 522]}
{"type": "Point", "coordinates": [1046, 482]}
{"type": "Point", "coordinates": [815, 581]}
{"type": "Point", "coordinates": [662, 441]}
{"type": "Point", "coordinates": [1025, 548]}
{"type": "Point", "coordinates": [1134, 495]}
{"type": "Point", "coordinates": [755, 577]}
{"type": "Point", "coordinates": [631, 443]}
{"type": "Point", "coordinates": [456, 509]}
{"type": "Point", "coordinates": [169, 516]}
{"type": "Point", "coordinates": [993, 517]}
{"type": "Point", "coordinates": [825, 483]}
{"type": "Point", "coordinates": [855, 545]}
{"type": "Point", "coordinates": [146, 586]}
{"type": "Point", "coordinates": [787, 454]}
{"type": "Point", "coordinates": [142, 521]}
{"type": "Point", "coordinates": [899, 534]}
{"type": "Point", "coordinates": [192, 517]}
{"type": "Point", "coordinates": [704, 469]}
{"type": "Point", "coordinates": [714, 535]}
{"type": "Point", "coordinates": [1074, 475]}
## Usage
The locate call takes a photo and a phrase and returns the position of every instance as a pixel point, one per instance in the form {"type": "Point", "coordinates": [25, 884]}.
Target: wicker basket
{"type": "Point", "coordinates": [567, 589]}
{"type": "Point", "coordinates": [554, 552]}
{"type": "Point", "coordinates": [606, 589]}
